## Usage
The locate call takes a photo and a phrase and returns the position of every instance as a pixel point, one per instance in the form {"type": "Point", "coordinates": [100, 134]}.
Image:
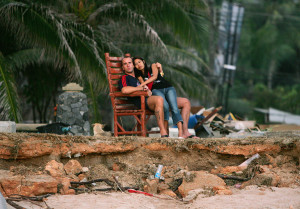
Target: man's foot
{"type": "Point", "coordinates": [192, 137]}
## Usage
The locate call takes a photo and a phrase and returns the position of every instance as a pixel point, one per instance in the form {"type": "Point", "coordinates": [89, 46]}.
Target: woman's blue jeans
{"type": "Point", "coordinates": [170, 102]}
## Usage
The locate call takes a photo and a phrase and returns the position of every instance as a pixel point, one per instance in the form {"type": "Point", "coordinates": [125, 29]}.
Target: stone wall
{"type": "Point", "coordinates": [72, 109]}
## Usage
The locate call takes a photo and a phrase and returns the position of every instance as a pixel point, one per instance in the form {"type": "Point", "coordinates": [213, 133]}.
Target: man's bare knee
{"type": "Point", "coordinates": [159, 101]}
{"type": "Point", "coordinates": [155, 102]}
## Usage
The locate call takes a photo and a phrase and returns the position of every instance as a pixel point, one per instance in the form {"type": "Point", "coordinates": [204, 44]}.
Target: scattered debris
{"type": "Point", "coordinates": [214, 125]}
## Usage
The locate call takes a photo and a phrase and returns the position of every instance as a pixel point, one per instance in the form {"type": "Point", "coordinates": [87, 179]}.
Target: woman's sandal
{"type": "Point", "coordinates": [164, 136]}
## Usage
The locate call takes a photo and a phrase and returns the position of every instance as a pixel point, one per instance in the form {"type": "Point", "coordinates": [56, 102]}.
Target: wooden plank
{"type": "Point", "coordinates": [116, 71]}
{"type": "Point", "coordinates": [122, 101]}
{"type": "Point", "coordinates": [115, 58]}
{"type": "Point", "coordinates": [131, 107]}
{"type": "Point", "coordinates": [115, 64]}
{"type": "Point", "coordinates": [115, 77]}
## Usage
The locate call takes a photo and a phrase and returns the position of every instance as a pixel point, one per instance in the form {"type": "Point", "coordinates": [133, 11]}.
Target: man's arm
{"type": "Point", "coordinates": [131, 89]}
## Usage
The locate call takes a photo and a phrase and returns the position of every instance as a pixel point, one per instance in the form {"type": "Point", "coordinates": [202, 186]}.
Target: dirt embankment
{"type": "Point", "coordinates": [34, 161]}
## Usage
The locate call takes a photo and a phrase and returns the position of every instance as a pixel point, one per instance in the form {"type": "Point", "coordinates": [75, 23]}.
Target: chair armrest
{"type": "Point", "coordinates": [134, 94]}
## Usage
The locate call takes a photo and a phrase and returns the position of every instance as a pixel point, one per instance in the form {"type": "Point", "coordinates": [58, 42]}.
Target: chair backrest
{"type": "Point", "coordinates": [114, 74]}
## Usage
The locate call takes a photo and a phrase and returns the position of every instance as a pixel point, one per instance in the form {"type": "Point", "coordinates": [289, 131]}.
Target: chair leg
{"type": "Point", "coordinates": [143, 123]}
{"type": "Point", "coordinates": [115, 125]}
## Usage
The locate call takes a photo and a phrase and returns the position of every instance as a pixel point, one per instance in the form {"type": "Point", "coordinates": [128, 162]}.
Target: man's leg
{"type": "Point", "coordinates": [156, 104]}
{"type": "Point", "coordinates": [185, 106]}
{"type": "Point", "coordinates": [159, 92]}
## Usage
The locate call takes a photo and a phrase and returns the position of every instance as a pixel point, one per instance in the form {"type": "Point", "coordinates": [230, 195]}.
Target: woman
{"type": "Point", "coordinates": [151, 77]}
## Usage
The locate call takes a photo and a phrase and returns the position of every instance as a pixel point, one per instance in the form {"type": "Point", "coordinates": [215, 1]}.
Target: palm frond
{"type": "Point", "coordinates": [9, 104]}
{"type": "Point", "coordinates": [120, 10]}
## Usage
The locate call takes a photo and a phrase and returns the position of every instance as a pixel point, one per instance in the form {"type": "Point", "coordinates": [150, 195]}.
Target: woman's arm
{"type": "Point", "coordinates": [159, 67]}
{"type": "Point", "coordinates": [153, 77]}
{"type": "Point", "coordinates": [140, 78]}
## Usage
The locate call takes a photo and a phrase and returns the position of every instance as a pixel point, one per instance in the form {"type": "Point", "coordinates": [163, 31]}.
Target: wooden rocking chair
{"type": "Point", "coordinates": [120, 105]}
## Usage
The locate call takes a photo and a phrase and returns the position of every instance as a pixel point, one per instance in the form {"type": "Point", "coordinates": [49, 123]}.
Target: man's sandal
{"type": "Point", "coordinates": [193, 137]}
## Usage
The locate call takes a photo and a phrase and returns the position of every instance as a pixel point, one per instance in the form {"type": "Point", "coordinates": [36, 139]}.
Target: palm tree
{"type": "Point", "coordinates": [77, 37]}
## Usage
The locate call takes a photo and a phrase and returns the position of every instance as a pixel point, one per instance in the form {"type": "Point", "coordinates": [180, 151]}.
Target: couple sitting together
{"type": "Point", "coordinates": [162, 95]}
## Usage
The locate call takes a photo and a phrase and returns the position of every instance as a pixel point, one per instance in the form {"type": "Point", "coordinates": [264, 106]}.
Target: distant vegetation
{"type": "Point", "coordinates": [46, 44]}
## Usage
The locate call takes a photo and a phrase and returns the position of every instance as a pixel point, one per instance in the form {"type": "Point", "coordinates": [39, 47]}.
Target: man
{"type": "Point", "coordinates": [129, 84]}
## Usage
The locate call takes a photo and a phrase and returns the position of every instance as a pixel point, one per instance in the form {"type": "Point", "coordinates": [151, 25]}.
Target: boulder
{"type": "Point", "coordinates": [72, 167]}
{"type": "Point", "coordinates": [202, 179]}
{"type": "Point", "coordinates": [32, 185]}
{"type": "Point", "coordinates": [55, 169]}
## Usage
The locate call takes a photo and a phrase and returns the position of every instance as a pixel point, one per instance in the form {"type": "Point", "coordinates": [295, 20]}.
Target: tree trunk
{"type": "Point", "coordinates": [271, 71]}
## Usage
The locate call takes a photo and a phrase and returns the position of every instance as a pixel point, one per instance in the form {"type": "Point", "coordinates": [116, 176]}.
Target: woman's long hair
{"type": "Point", "coordinates": [146, 67]}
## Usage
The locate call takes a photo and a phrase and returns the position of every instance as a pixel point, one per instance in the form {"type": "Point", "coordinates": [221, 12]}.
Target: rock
{"type": "Point", "coordinates": [55, 169]}
{"type": "Point", "coordinates": [72, 167]}
{"type": "Point", "coordinates": [193, 194]}
{"type": "Point", "coordinates": [202, 179]}
{"type": "Point", "coordinates": [116, 167]}
{"type": "Point", "coordinates": [222, 190]}
{"type": "Point", "coordinates": [81, 177]}
{"type": "Point", "coordinates": [77, 154]}
{"type": "Point", "coordinates": [168, 192]}
{"type": "Point", "coordinates": [151, 186]}
{"type": "Point", "coordinates": [227, 169]}
{"type": "Point", "coordinates": [267, 178]}
{"type": "Point", "coordinates": [85, 169]}
{"type": "Point", "coordinates": [65, 184]}
{"type": "Point", "coordinates": [32, 185]}
{"type": "Point", "coordinates": [162, 186]}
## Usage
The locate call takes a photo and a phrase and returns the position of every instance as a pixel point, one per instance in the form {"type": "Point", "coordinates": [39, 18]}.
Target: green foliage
{"type": "Point", "coordinates": [73, 35]}
{"type": "Point", "coordinates": [282, 98]}
{"type": "Point", "coordinates": [9, 104]}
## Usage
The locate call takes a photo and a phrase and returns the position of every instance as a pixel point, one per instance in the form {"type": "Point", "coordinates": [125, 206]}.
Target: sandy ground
{"type": "Point", "coordinates": [249, 198]}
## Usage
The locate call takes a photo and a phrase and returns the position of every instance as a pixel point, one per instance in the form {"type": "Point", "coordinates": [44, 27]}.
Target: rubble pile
{"type": "Point", "coordinates": [212, 124]}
